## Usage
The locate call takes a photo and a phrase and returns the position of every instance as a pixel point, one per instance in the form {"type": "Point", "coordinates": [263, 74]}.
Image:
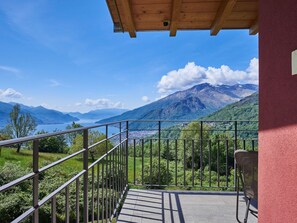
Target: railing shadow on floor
{"type": "Point", "coordinates": [178, 206]}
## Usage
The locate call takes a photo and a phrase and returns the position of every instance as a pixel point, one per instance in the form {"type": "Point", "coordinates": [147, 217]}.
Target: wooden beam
{"type": "Point", "coordinates": [223, 12]}
{"type": "Point", "coordinates": [176, 7]}
{"type": "Point", "coordinates": [128, 18]}
{"type": "Point", "coordinates": [254, 29]}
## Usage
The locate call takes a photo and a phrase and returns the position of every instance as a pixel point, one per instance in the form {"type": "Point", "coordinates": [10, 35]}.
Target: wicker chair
{"type": "Point", "coordinates": [247, 163]}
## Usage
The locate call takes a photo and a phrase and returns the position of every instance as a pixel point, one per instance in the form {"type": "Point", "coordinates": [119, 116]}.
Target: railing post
{"type": "Point", "coordinates": [54, 209]}
{"type": "Point", "coordinates": [120, 137]}
{"type": "Point", "coordinates": [159, 151]}
{"type": "Point", "coordinates": [235, 135]}
{"type": "Point", "coordinates": [201, 147]}
{"type": "Point", "coordinates": [127, 145]}
{"type": "Point", "coordinates": [35, 180]}
{"type": "Point", "coordinates": [235, 148]}
{"type": "Point", "coordinates": [85, 165]}
{"type": "Point", "coordinates": [106, 136]}
{"type": "Point", "coordinates": [107, 176]}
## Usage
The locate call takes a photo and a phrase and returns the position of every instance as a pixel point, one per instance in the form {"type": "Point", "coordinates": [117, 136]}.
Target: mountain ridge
{"type": "Point", "coordinates": [193, 103]}
{"type": "Point", "coordinates": [44, 116]}
{"type": "Point", "coordinates": [40, 114]}
{"type": "Point", "coordinates": [98, 113]}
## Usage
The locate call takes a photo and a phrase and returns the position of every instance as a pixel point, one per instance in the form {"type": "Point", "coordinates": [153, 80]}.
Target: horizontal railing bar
{"type": "Point", "coordinates": [24, 215]}
{"type": "Point", "coordinates": [190, 139]}
{"type": "Point", "coordinates": [10, 142]}
{"type": "Point", "coordinates": [106, 154]}
{"type": "Point", "coordinates": [192, 130]}
{"type": "Point", "coordinates": [188, 121]}
{"type": "Point", "coordinates": [104, 140]}
{"type": "Point", "coordinates": [16, 182]}
{"type": "Point", "coordinates": [60, 161]}
{"type": "Point", "coordinates": [97, 143]}
{"type": "Point", "coordinates": [59, 189]}
{"type": "Point", "coordinates": [174, 185]}
{"type": "Point", "coordinates": [31, 175]}
{"type": "Point", "coordinates": [72, 155]}
{"type": "Point", "coordinates": [54, 193]}
{"type": "Point", "coordinates": [41, 136]}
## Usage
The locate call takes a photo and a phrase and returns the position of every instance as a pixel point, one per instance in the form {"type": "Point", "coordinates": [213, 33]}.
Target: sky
{"type": "Point", "coordinates": [64, 55]}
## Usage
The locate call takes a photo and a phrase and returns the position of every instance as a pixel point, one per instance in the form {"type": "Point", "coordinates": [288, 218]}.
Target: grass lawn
{"type": "Point", "coordinates": [24, 158]}
{"type": "Point", "coordinates": [73, 165]}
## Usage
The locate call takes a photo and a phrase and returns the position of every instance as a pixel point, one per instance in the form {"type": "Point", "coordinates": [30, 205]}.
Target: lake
{"type": "Point", "coordinates": [60, 127]}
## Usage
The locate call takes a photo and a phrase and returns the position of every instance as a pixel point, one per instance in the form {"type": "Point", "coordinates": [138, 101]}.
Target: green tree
{"type": "Point", "coordinates": [152, 174]}
{"type": "Point", "coordinates": [189, 143]}
{"type": "Point", "coordinates": [219, 152]}
{"type": "Point", "coordinates": [94, 137]}
{"type": "Point", "coordinates": [20, 124]}
{"type": "Point", "coordinates": [71, 136]}
{"type": "Point", "coordinates": [55, 144]}
{"type": "Point", "coordinates": [99, 150]}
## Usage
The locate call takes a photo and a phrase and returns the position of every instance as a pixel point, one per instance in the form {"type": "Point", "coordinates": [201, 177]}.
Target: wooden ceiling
{"type": "Point", "coordinates": [172, 15]}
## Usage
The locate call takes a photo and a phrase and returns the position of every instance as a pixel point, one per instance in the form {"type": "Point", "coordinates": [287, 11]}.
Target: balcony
{"type": "Point", "coordinates": [181, 206]}
{"type": "Point", "coordinates": [155, 171]}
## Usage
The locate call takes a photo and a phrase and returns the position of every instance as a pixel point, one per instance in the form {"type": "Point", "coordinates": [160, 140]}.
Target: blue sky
{"type": "Point", "coordinates": [64, 55]}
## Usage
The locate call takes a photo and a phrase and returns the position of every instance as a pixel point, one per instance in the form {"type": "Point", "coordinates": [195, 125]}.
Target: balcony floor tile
{"type": "Point", "coordinates": [155, 206]}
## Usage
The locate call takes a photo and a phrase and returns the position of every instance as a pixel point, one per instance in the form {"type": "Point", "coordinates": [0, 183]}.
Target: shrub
{"type": "Point", "coordinates": [154, 178]}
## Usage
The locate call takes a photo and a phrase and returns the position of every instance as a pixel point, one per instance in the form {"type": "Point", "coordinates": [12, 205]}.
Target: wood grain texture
{"type": "Point", "coordinates": [224, 11]}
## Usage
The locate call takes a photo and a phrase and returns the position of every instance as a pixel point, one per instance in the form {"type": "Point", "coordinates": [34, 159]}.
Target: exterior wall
{"type": "Point", "coordinates": [278, 112]}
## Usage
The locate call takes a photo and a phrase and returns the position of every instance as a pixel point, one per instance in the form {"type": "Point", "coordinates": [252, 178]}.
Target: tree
{"type": "Point", "coordinates": [152, 174]}
{"type": "Point", "coordinates": [97, 151]}
{"type": "Point", "coordinates": [20, 124]}
{"type": "Point", "coordinates": [54, 144]}
{"type": "Point", "coordinates": [72, 136]}
{"type": "Point", "coordinates": [189, 143]}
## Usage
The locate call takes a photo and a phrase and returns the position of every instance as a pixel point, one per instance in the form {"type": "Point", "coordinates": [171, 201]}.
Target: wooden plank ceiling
{"type": "Point", "coordinates": [173, 15]}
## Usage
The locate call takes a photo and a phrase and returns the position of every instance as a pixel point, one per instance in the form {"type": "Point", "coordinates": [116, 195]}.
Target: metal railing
{"type": "Point", "coordinates": [111, 168]}
{"type": "Point", "coordinates": [195, 155]}
{"type": "Point", "coordinates": [192, 154]}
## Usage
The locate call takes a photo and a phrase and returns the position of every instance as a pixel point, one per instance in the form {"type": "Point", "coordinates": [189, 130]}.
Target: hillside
{"type": "Point", "coordinates": [193, 103]}
{"type": "Point", "coordinates": [40, 114]}
{"type": "Point", "coordinates": [245, 109]}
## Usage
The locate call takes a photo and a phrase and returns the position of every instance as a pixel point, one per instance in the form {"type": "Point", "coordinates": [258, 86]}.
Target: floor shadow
{"type": "Point", "coordinates": [158, 206]}
{"type": "Point", "coordinates": [151, 206]}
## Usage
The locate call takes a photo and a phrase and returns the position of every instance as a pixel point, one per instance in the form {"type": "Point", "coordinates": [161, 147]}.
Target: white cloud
{"type": "Point", "coordinates": [103, 103]}
{"type": "Point", "coordinates": [193, 74]}
{"type": "Point", "coordinates": [10, 93]}
{"type": "Point", "coordinates": [54, 83]}
{"type": "Point", "coordinates": [145, 98]}
{"type": "Point", "coordinates": [9, 69]}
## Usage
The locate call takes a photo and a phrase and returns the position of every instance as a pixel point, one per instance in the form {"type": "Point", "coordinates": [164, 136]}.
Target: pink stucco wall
{"type": "Point", "coordinates": [278, 112]}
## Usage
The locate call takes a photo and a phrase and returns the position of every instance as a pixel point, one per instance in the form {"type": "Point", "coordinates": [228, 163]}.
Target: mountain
{"type": "Point", "coordinates": [193, 103]}
{"type": "Point", "coordinates": [98, 114]}
{"type": "Point", "coordinates": [40, 114]}
{"type": "Point", "coordinates": [245, 109]}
